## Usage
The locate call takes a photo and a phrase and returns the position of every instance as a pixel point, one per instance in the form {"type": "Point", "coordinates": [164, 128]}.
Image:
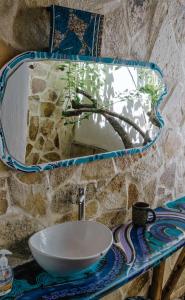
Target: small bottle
{"type": "Point", "coordinates": [6, 273]}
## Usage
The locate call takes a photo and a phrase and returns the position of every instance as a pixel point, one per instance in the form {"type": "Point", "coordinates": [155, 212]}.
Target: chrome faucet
{"type": "Point", "coordinates": [81, 204]}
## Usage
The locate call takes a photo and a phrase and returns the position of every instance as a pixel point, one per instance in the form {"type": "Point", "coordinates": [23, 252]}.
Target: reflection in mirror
{"type": "Point", "coordinates": [55, 110]}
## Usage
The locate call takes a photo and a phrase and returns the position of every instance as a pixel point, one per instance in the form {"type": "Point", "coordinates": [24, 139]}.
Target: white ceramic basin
{"type": "Point", "coordinates": [71, 246]}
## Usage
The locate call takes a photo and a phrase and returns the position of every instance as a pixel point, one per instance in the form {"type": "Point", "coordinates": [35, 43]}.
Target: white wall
{"type": "Point", "coordinates": [14, 112]}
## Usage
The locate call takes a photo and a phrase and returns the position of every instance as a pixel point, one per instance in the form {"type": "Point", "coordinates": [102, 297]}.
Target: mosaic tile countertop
{"type": "Point", "coordinates": [135, 251]}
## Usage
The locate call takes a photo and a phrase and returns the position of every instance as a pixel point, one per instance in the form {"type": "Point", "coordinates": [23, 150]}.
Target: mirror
{"type": "Point", "coordinates": [61, 111]}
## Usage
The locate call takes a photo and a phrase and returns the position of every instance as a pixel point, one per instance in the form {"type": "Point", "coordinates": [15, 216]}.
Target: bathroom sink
{"type": "Point", "coordinates": [71, 246]}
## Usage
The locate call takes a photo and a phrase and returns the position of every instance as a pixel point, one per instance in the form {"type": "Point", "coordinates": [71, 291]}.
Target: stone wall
{"type": "Point", "coordinates": [146, 30]}
{"type": "Point", "coordinates": [47, 137]}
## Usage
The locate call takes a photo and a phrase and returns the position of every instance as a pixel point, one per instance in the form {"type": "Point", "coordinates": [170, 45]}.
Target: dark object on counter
{"type": "Point", "coordinates": [140, 214]}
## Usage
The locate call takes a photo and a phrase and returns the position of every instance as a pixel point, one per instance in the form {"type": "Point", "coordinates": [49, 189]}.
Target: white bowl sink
{"type": "Point", "coordinates": [71, 246]}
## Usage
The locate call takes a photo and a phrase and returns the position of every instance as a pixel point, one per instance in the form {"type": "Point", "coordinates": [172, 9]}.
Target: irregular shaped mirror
{"type": "Point", "coordinates": [58, 110]}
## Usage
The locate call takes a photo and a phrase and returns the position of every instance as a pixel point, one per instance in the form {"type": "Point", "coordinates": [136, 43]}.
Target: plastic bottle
{"type": "Point", "coordinates": [6, 273]}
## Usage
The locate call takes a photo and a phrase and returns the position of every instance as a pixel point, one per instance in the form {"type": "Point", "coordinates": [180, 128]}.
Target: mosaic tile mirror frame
{"type": "Point", "coordinates": [61, 110]}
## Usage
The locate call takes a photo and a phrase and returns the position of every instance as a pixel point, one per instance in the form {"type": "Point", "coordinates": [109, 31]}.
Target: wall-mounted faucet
{"type": "Point", "coordinates": [81, 204]}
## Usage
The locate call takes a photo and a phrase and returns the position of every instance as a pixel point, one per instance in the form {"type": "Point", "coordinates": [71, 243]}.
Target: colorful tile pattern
{"type": "Point", "coordinates": [75, 31]}
{"type": "Point", "coordinates": [135, 251]}
{"type": "Point", "coordinates": [31, 56]}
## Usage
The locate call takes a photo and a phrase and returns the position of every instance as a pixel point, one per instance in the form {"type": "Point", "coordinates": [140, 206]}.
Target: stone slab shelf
{"type": "Point", "coordinates": [133, 253]}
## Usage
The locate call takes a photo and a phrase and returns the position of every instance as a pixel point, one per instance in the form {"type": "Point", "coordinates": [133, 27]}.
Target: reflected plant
{"type": "Point", "coordinates": [88, 92]}
{"type": "Point", "coordinates": [153, 91]}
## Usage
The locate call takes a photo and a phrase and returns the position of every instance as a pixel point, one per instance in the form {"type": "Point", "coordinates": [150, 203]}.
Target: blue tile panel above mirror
{"type": "Point", "coordinates": [138, 250]}
{"type": "Point", "coordinates": [75, 31]}
{"type": "Point", "coordinates": [34, 56]}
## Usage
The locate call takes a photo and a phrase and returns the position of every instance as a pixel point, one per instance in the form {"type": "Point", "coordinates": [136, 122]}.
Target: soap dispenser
{"type": "Point", "coordinates": [6, 273]}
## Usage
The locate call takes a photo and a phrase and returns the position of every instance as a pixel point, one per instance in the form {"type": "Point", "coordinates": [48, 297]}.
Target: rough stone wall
{"type": "Point", "coordinates": [47, 137]}
{"type": "Point", "coordinates": [19, 14]}
{"type": "Point", "coordinates": [146, 30]}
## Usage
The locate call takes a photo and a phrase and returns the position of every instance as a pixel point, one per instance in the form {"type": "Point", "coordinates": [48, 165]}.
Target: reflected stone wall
{"type": "Point", "coordinates": [145, 30]}
{"type": "Point", "coordinates": [47, 139]}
